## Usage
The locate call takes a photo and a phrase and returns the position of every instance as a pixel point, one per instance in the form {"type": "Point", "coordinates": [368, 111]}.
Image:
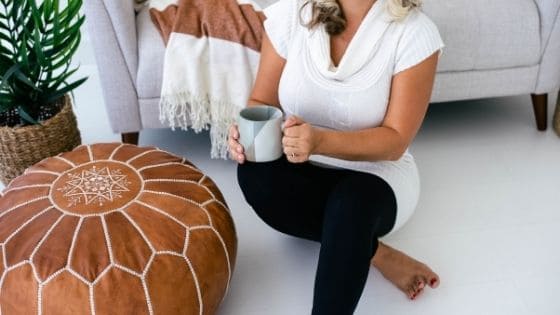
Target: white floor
{"type": "Point", "coordinates": [488, 219]}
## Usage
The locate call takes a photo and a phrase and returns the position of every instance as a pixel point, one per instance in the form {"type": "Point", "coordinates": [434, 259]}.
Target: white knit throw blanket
{"type": "Point", "coordinates": [211, 58]}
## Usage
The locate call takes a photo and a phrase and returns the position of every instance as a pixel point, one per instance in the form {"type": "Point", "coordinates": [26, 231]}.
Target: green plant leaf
{"type": "Point", "coordinates": [70, 12]}
{"type": "Point", "coordinates": [56, 82]}
{"type": "Point", "coordinates": [4, 78]}
{"type": "Point", "coordinates": [4, 52]}
{"type": "Point", "coordinates": [56, 21]}
{"type": "Point", "coordinates": [5, 105]}
{"type": "Point", "coordinates": [71, 29]}
{"type": "Point", "coordinates": [25, 116]}
{"type": "Point", "coordinates": [47, 7]}
{"type": "Point", "coordinates": [66, 55]}
{"type": "Point", "coordinates": [15, 7]}
{"type": "Point", "coordinates": [51, 82]}
{"type": "Point", "coordinates": [36, 22]}
{"type": "Point", "coordinates": [3, 25]}
{"type": "Point", "coordinates": [5, 37]}
{"type": "Point", "coordinates": [59, 93]}
{"type": "Point", "coordinates": [6, 99]}
{"type": "Point", "coordinates": [54, 43]}
{"type": "Point", "coordinates": [68, 30]}
{"type": "Point", "coordinates": [22, 94]}
{"type": "Point", "coordinates": [38, 49]}
{"type": "Point", "coordinates": [23, 52]}
{"type": "Point", "coordinates": [58, 50]}
{"type": "Point", "coordinates": [20, 76]}
{"type": "Point", "coordinates": [22, 14]}
{"type": "Point", "coordinates": [5, 62]}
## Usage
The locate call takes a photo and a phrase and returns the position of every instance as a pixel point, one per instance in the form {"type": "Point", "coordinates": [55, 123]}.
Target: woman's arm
{"type": "Point", "coordinates": [271, 65]}
{"type": "Point", "coordinates": [410, 95]}
{"type": "Point", "coordinates": [265, 91]}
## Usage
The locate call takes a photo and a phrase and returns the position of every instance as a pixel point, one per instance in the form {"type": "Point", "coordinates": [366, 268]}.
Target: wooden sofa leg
{"type": "Point", "coordinates": [556, 119]}
{"type": "Point", "coordinates": [540, 103]}
{"type": "Point", "coordinates": [130, 137]}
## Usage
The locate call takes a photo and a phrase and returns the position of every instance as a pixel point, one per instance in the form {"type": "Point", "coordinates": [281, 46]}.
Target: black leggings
{"type": "Point", "coordinates": [346, 211]}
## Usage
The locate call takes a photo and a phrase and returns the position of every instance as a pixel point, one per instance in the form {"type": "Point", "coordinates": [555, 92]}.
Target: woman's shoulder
{"type": "Point", "coordinates": [419, 39]}
{"type": "Point", "coordinates": [283, 14]}
{"type": "Point", "coordinates": [282, 8]}
{"type": "Point", "coordinates": [282, 22]}
{"type": "Point", "coordinates": [290, 11]}
{"type": "Point", "coordinates": [417, 23]}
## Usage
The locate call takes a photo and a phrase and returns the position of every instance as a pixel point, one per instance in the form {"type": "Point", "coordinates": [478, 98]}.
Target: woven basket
{"type": "Point", "coordinates": [21, 147]}
{"type": "Point", "coordinates": [556, 120]}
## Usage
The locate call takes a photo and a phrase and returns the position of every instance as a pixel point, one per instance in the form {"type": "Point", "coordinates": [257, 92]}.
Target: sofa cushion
{"type": "Point", "coordinates": [484, 35]}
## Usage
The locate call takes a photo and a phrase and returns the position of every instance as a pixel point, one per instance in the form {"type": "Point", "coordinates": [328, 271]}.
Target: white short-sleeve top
{"type": "Point", "coordinates": [355, 94]}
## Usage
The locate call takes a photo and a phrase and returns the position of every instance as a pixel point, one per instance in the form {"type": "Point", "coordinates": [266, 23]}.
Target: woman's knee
{"type": "Point", "coordinates": [258, 183]}
{"type": "Point", "coordinates": [359, 199]}
{"type": "Point", "coordinates": [363, 205]}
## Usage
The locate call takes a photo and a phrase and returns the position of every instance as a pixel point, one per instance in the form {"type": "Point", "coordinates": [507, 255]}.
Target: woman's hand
{"type": "Point", "coordinates": [236, 150]}
{"type": "Point", "coordinates": [300, 140]}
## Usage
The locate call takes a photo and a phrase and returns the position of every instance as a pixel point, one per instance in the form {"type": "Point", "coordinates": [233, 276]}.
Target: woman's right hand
{"type": "Point", "coordinates": [235, 148]}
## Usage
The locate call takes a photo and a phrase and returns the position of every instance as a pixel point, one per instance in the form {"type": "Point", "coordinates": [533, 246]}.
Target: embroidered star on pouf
{"type": "Point", "coordinates": [95, 186]}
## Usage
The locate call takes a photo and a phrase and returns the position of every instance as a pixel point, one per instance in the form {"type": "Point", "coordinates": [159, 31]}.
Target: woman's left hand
{"type": "Point", "coordinates": [300, 140]}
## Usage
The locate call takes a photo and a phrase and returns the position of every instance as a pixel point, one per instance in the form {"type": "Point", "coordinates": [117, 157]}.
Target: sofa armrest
{"type": "Point", "coordinates": [548, 11]}
{"type": "Point", "coordinates": [112, 28]}
{"type": "Point", "coordinates": [548, 79]}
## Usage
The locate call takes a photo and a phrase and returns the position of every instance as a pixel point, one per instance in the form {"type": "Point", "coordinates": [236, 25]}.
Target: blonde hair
{"type": "Point", "coordinates": [399, 9]}
{"type": "Point", "coordinates": [329, 13]}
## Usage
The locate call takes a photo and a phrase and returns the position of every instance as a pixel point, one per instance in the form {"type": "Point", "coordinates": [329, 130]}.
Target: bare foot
{"type": "Point", "coordinates": [408, 274]}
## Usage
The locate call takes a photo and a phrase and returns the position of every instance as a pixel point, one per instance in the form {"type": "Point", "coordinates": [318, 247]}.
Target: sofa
{"type": "Point", "coordinates": [493, 48]}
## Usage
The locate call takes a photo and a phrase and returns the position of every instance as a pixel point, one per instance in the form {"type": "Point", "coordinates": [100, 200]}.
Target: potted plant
{"type": "Point", "coordinates": [37, 43]}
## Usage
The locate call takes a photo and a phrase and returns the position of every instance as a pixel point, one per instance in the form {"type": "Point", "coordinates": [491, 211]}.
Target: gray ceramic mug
{"type": "Point", "coordinates": [260, 132]}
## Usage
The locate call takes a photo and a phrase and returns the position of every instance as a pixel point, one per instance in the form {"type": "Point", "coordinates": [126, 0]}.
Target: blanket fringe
{"type": "Point", "coordinates": [183, 110]}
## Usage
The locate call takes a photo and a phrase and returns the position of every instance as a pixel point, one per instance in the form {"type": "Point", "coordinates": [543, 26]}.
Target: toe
{"type": "Point", "coordinates": [421, 282]}
{"type": "Point", "coordinates": [434, 280]}
{"type": "Point", "coordinates": [411, 293]}
{"type": "Point", "coordinates": [430, 277]}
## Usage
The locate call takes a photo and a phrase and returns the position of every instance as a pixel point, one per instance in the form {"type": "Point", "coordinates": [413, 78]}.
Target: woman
{"type": "Point", "coordinates": [354, 78]}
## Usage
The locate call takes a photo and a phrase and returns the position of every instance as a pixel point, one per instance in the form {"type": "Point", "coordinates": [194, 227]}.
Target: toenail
{"type": "Point", "coordinates": [433, 281]}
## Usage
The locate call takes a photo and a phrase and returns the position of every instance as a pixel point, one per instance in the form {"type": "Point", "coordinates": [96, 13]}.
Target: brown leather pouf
{"type": "Point", "coordinates": [114, 229]}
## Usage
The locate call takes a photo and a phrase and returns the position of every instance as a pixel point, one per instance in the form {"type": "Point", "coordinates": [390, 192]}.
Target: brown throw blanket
{"type": "Point", "coordinates": [211, 58]}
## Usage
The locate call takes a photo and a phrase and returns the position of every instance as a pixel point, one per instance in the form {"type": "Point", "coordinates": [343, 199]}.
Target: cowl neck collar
{"type": "Point", "coordinates": [361, 48]}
